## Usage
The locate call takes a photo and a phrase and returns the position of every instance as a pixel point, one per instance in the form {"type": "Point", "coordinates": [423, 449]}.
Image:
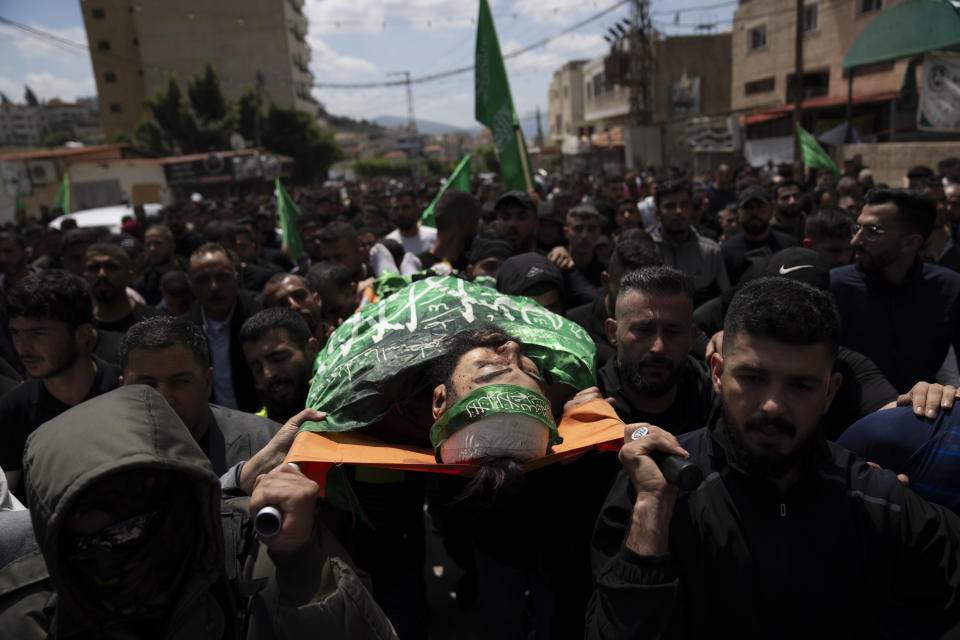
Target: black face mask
{"type": "Point", "coordinates": [133, 570]}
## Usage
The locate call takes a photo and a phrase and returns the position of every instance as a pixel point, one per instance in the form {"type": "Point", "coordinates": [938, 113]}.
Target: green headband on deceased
{"type": "Point", "coordinates": [490, 400]}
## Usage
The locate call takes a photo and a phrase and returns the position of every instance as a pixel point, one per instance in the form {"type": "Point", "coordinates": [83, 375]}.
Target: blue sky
{"type": "Point", "coordinates": [363, 40]}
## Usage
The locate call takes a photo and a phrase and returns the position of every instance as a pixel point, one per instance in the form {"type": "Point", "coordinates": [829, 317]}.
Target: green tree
{"type": "Point", "coordinates": [295, 133]}
{"type": "Point", "coordinates": [204, 119]}
{"type": "Point", "coordinates": [213, 118]}
{"type": "Point", "coordinates": [30, 97]}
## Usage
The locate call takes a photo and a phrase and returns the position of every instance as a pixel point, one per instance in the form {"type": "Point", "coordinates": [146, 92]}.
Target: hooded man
{"type": "Point", "coordinates": [132, 536]}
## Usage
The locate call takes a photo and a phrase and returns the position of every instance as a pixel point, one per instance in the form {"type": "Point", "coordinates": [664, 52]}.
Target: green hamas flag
{"type": "Point", "coordinates": [287, 211]}
{"type": "Point", "coordinates": [63, 195]}
{"type": "Point", "coordinates": [459, 179]}
{"type": "Point", "coordinates": [813, 153]}
{"type": "Point", "coordinates": [378, 357]}
{"type": "Point", "coordinates": [494, 106]}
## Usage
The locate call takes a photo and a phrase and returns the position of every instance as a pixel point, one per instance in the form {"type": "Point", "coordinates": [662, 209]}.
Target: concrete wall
{"type": "Point", "coordinates": [705, 57]}
{"type": "Point", "coordinates": [890, 161]}
{"type": "Point", "coordinates": [127, 174]}
{"type": "Point", "coordinates": [823, 50]}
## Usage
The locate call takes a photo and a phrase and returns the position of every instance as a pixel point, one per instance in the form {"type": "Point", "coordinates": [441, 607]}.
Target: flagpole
{"type": "Point", "coordinates": [523, 159]}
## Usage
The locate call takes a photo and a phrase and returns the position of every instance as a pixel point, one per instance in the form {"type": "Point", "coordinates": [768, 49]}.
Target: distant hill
{"type": "Point", "coordinates": [425, 126]}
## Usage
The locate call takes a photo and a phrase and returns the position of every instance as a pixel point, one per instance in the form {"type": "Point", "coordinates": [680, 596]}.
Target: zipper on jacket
{"type": "Point", "coordinates": [783, 510]}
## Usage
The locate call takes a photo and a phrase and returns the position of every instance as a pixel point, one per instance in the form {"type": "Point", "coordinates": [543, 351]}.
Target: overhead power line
{"type": "Point", "coordinates": [452, 72]}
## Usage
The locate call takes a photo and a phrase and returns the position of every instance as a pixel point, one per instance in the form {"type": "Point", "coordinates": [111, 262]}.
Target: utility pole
{"type": "Point", "coordinates": [798, 95]}
{"type": "Point", "coordinates": [640, 76]}
{"type": "Point", "coordinates": [539, 131]}
{"type": "Point", "coordinates": [411, 120]}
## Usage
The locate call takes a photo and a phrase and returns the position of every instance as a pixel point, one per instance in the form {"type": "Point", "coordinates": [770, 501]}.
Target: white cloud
{"type": "Point", "coordinates": [373, 16]}
{"type": "Point", "coordinates": [556, 52]}
{"type": "Point", "coordinates": [329, 65]}
{"type": "Point", "coordinates": [35, 47]}
{"type": "Point", "coordinates": [13, 90]}
{"type": "Point", "coordinates": [558, 11]}
{"type": "Point", "coordinates": [47, 85]}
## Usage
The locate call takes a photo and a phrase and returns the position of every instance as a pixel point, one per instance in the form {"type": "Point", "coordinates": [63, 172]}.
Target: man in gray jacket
{"type": "Point", "coordinates": [171, 355]}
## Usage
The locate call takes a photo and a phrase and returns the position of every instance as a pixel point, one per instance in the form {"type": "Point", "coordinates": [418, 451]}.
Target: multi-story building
{"type": "Point", "coordinates": [136, 45]}
{"type": "Point", "coordinates": [20, 124]}
{"type": "Point", "coordinates": [565, 110]}
{"type": "Point", "coordinates": [764, 55]}
{"type": "Point", "coordinates": [690, 78]}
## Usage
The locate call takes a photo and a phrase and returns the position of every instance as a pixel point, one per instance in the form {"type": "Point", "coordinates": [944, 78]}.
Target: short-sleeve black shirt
{"type": "Point", "coordinates": [29, 405]}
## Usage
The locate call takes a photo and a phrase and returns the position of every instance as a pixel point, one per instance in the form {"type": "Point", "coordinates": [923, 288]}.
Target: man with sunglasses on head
{"type": "Point", "coordinates": [897, 310]}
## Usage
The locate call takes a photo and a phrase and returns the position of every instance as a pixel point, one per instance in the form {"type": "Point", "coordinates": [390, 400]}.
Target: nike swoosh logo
{"type": "Point", "coordinates": [785, 270]}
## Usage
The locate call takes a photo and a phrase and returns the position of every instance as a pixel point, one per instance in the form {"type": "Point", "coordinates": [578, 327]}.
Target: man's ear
{"type": "Point", "coordinates": [912, 242]}
{"type": "Point", "coordinates": [208, 380]}
{"type": "Point", "coordinates": [835, 380]}
{"type": "Point", "coordinates": [313, 348]}
{"type": "Point", "coordinates": [716, 371]}
{"type": "Point", "coordinates": [604, 280]}
{"type": "Point", "coordinates": [439, 401]}
{"type": "Point", "coordinates": [610, 327]}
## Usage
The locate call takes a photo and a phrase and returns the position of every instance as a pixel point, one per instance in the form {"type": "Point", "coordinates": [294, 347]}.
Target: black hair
{"type": "Point", "coordinates": [456, 345]}
{"type": "Point", "coordinates": [915, 214]}
{"type": "Point", "coordinates": [162, 229]}
{"type": "Point", "coordinates": [783, 183]}
{"type": "Point", "coordinates": [452, 207]}
{"type": "Point", "coordinates": [110, 249]}
{"type": "Point", "coordinates": [176, 283]}
{"type": "Point", "coordinates": [948, 163]}
{"type": "Point", "coordinates": [262, 322]}
{"type": "Point", "coordinates": [280, 277]}
{"type": "Point", "coordinates": [630, 255]}
{"type": "Point", "coordinates": [829, 222]}
{"type": "Point", "coordinates": [53, 294]}
{"type": "Point", "coordinates": [920, 171]}
{"type": "Point", "coordinates": [16, 237]}
{"type": "Point", "coordinates": [309, 221]}
{"type": "Point", "coordinates": [657, 281]}
{"type": "Point", "coordinates": [323, 272]}
{"type": "Point", "coordinates": [670, 187]}
{"type": "Point", "coordinates": [75, 237]}
{"type": "Point", "coordinates": [163, 332]}
{"type": "Point", "coordinates": [336, 230]}
{"type": "Point", "coordinates": [783, 310]}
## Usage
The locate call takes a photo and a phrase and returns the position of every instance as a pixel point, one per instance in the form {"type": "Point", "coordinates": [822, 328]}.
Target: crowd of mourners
{"type": "Point", "coordinates": [798, 340]}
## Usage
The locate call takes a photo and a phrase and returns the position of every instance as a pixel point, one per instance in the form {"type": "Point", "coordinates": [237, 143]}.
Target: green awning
{"type": "Point", "coordinates": [906, 30]}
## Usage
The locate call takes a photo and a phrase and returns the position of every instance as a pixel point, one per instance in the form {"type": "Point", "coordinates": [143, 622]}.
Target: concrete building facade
{"type": "Point", "coordinates": [764, 40]}
{"type": "Point", "coordinates": [690, 80]}
{"type": "Point", "coordinates": [137, 45]}
{"type": "Point", "coordinates": [565, 101]}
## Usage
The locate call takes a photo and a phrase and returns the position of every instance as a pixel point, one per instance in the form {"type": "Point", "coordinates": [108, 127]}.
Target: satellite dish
{"type": "Point", "coordinates": [236, 142]}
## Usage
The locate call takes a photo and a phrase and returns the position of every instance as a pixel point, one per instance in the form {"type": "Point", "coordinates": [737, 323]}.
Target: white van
{"type": "Point", "coordinates": [104, 217]}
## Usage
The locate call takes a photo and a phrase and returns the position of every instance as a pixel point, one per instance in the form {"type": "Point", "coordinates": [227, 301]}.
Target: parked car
{"type": "Point", "coordinates": [104, 217]}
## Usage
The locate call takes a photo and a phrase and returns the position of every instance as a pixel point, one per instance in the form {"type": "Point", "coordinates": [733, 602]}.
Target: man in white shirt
{"type": "Point", "coordinates": [405, 213]}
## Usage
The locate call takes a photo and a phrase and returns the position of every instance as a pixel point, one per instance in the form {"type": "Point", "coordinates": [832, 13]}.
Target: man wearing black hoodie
{"type": "Point", "coordinates": [132, 536]}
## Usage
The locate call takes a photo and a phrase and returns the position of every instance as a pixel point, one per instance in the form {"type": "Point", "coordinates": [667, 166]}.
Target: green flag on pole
{"type": "Point", "coordinates": [494, 106]}
{"type": "Point", "coordinates": [814, 155]}
{"type": "Point", "coordinates": [19, 209]}
{"type": "Point", "coordinates": [459, 179]}
{"type": "Point", "coordinates": [63, 195]}
{"type": "Point", "coordinates": [287, 211]}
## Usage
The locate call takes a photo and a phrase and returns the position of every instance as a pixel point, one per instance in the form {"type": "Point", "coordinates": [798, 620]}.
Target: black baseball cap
{"type": "Point", "coordinates": [799, 263]}
{"type": "Point", "coordinates": [521, 198]}
{"type": "Point", "coordinates": [753, 192]}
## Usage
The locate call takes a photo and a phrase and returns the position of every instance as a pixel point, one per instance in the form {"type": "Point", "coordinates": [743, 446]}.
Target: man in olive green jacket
{"type": "Point", "coordinates": [132, 540]}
